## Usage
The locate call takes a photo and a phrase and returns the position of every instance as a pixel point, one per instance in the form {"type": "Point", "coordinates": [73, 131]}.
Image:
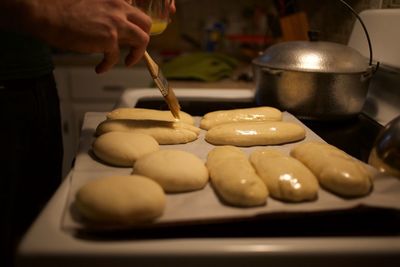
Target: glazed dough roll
{"type": "Point", "coordinates": [286, 178]}
{"type": "Point", "coordinates": [174, 170]}
{"type": "Point", "coordinates": [165, 132]}
{"type": "Point", "coordinates": [148, 114]}
{"type": "Point", "coordinates": [121, 200]}
{"type": "Point", "coordinates": [235, 115]}
{"type": "Point", "coordinates": [336, 171]}
{"type": "Point", "coordinates": [123, 148]}
{"type": "Point", "coordinates": [234, 179]}
{"type": "Point", "coordinates": [255, 133]}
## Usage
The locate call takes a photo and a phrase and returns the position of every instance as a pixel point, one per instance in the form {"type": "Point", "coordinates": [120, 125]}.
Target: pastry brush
{"type": "Point", "coordinates": [162, 84]}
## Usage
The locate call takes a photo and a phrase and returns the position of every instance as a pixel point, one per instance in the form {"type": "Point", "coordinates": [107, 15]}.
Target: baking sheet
{"type": "Point", "coordinates": [204, 205]}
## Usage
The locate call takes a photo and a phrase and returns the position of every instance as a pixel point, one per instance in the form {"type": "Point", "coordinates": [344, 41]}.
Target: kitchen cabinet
{"type": "Point", "coordinates": [82, 90]}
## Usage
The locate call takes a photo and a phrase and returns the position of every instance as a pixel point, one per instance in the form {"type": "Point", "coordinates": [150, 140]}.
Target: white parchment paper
{"type": "Point", "coordinates": [204, 205]}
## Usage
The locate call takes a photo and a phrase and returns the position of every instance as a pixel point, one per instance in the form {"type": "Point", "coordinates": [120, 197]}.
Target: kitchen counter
{"type": "Point", "coordinates": [70, 59]}
{"type": "Point", "coordinates": [74, 60]}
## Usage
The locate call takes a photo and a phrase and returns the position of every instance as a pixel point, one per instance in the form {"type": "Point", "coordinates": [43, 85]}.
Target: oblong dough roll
{"type": "Point", "coordinates": [165, 132]}
{"type": "Point", "coordinates": [148, 114]}
{"type": "Point", "coordinates": [174, 170]}
{"type": "Point", "coordinates": [121, 200]}
{"type": "Point", "coordinates": [233, 177]}
{"type": "Point", "coordinates": [123, 148]}
{"type": "Point", "coordinates": [336, 171]}
{"type": "Point", "coordinates": [214, 118]}
{"type": "Point", "coordinates": [255, 133]}
{"type": "Point", "coordinates": [286, 178]}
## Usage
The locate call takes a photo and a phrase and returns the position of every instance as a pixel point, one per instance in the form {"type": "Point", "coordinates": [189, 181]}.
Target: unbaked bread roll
{"type": "Point", "coordinates": [165, 132]}
{"type": "Point", "coordinates": [214, 118]}
{"type": "Point", "coordinates": [286, 178]}
{"type": "Point", "coordinates": [255, 133]}
{"type": "Point", "coordinates": [121, 200]}
{"type": "Point", "coordinates": [234, 179]}
{"type": "Point", "coordinates": [174, 170]}
{"type": "Point", "coordinates": [148, 114]}
{"type": "Point", "coordinates": [336, 171]}
{"type": "Point", "coordinates": [123, 148]}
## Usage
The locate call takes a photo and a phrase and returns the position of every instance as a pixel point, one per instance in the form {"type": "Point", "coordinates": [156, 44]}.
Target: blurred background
{"type": "Point", "coordinates": [245, 27]}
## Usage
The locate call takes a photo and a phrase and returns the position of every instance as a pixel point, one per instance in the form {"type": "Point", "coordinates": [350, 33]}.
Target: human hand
{"type": "Point", "coordinates": [91, 26]}
{"type": "Point", "coordinates": [172, 7]}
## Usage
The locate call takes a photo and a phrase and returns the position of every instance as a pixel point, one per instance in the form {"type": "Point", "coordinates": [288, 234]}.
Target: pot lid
{"type": "Point", "coordinates": [315, 56]}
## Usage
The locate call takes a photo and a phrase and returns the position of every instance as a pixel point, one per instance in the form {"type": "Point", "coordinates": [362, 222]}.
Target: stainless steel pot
{"type": "Point", "coordinates": [313, 79]}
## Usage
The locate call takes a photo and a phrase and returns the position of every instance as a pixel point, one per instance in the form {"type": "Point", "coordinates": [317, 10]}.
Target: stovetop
{"type": "Point", "coordinates": [362, 236]}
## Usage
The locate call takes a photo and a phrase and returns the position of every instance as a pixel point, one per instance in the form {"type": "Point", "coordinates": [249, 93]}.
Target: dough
{"type": "Point", "coordinates": [121, 200]}
{"type": "Point", "coordinates": [174, 170]}
{"type": "Point", "coordinates": [148, 114]}
{"type": "Point", "coordinates": [234, 179]}
{"type": "Point", "coordinates": [255, 133]}
{"type": "Point", "coordinates": [336, 171]}
{"type": "Point", "coordinates": [235, 115]}
{"type": "Point", "coordinates": [165, 132]}
{"type": "Point", "coordinates": [123, 148]}
{"type": "Point", "coordinates": [285, 177]}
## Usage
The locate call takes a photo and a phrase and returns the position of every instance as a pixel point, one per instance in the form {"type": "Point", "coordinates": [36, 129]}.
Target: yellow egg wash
{"type": "Point", "coordinates": [158, 26]}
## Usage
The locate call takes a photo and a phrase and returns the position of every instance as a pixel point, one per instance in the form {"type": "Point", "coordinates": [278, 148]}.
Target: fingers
{"type": "Point", "coordinates": [109, 60]}
{"type": "Point", "coordinates": [137, 42]}
{"type": "Point", "coordinates": [134, 56]}
{"type": "Point", "coordinates": [172, 7]}
{"type": "Point", "coordinates": [132, 32]}
{"type": "Point", "coordinates": [139, 18]}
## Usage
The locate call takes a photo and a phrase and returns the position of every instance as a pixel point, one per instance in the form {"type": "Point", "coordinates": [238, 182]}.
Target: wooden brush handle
{"type": "Point", "coordinates": [151, 65]}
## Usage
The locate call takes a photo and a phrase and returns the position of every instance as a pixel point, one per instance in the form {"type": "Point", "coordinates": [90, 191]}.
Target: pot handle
{"type": "Point", "coordinates": [274, 72]}
{"type": "Point", "coordinates": [369, 72]}
{"type": "Point", "coordinates": [365, 31]}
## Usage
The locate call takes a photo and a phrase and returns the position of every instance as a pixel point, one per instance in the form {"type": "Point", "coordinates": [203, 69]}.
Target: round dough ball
{"type": "Point", "coordinates": [127, 200]}
{"type": "Point", "coordinates": [174, 170]}
{"type": "Point", "coordinates": [123, 148]}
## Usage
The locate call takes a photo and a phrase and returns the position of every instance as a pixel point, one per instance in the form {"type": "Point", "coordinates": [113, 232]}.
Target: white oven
{"type": "Point", "coordinates": [233, 244]}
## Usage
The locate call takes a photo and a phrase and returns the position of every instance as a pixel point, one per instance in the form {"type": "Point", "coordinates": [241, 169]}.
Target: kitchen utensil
{"type": "Point", "coordinates": [162, 84]}
{"type": "Point", "coordinates": [313, 79]}
{"type": "Point", "coordinates": [385, 155]}
{"type": "Point", "coordinates": [158, 10]}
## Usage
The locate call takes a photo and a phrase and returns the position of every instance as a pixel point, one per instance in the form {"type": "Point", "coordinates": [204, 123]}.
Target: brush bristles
{"type": "Point", "coordinates": [173, 103]}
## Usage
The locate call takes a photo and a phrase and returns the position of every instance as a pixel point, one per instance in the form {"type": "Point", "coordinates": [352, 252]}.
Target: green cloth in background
{"type": "Point", "coordinates": [208, 67]}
